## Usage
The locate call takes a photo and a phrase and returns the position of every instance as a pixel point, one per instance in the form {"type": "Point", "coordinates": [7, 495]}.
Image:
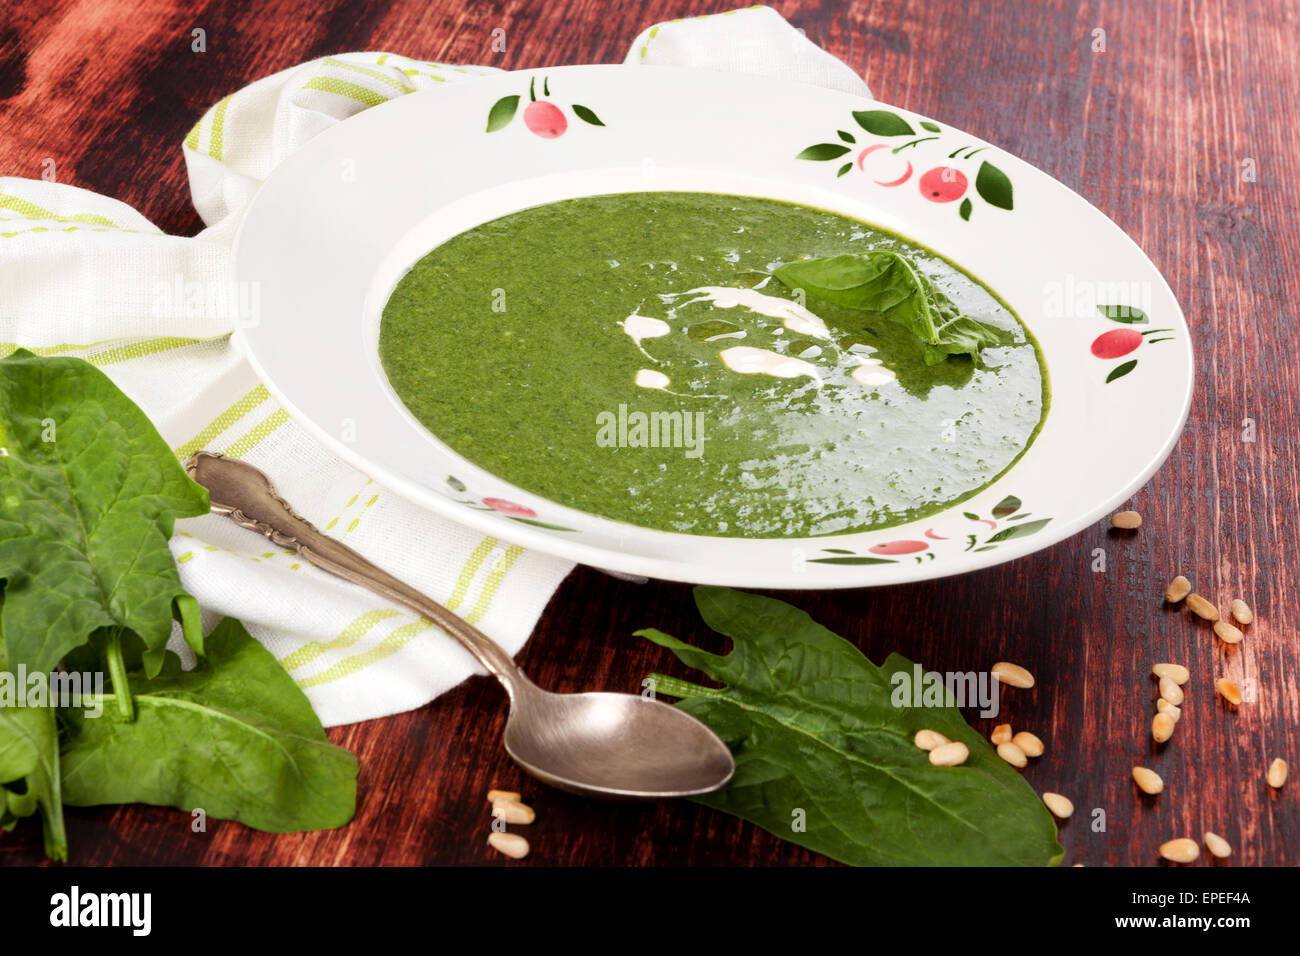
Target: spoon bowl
{"type": "Point", "coordinates": [615, 745]}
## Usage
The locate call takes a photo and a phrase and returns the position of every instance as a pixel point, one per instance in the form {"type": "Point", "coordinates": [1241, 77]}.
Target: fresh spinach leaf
{"type": "Point", "coordinates": [813, 728]}
{"type": "Point", "coordinates": [234, 737]}
{"type": "Point", "coordinates": [88, 495]}
{"type": "Point", "coordinates": [29, 763]}
{"type": "Point", "coordinates": [29, 773]}
{"type": "Point", "coordinates": [886, 283]}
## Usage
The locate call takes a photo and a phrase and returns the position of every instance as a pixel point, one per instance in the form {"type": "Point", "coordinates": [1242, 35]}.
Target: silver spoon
{"type": "Point", "coordinates": [601, 745]}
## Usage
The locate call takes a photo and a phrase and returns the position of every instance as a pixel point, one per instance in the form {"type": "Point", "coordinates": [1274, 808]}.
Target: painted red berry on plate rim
{"type": "Point", "coordinates": [545, 119]}
{"type": "Point", "coordinates": [509, 508]}
{"type": "Point", "coordinates": [898, 547]}
{"type": "Point", "coordinates": [1116, 343]}
{"type": "Point", "coordinates": [943, 184]}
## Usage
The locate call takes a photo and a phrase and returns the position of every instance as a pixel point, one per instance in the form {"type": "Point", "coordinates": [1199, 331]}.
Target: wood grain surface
{"type": "Point", "coordinates": [1154, 131]}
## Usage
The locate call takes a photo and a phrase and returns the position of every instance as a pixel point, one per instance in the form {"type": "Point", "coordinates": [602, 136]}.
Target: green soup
{"type": "Point", "coordinates": [629, 356]}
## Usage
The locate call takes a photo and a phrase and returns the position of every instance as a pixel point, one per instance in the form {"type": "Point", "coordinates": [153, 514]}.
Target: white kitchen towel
{"type": "Point", "coordinates": [82, 274]}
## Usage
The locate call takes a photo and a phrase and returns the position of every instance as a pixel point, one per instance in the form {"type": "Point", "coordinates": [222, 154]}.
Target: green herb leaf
{"type": "Point", "coordinates": [964, 209]}
{"type": "Point", "coordinates": [1128, 314]}
{"type": "Point", "coordinates": [882, 123]}
{"type": "Point", "coordinates": [932, 127]}
{"type": "Point", "coordinates": [821, 152]}
{"type": "Point", "coordinates": [539, 524]}
{"type": "Point", "coordinates": [813, 727]}
{"type": "Point", "coordinates": [502, 112]}
{"type": "Point", "coordinates": [994, 186]}
{"type": "Point", "coordinates": [1018, 530]}
{"type": "Point", "coordinates": [1121, 370]}
{"type": "Point", "coordinates": [88, 495]}
{"type": "Point", "coordinates": [1007, 506]}
{"type": "Point", "coordinates": [234, 737]}
{"type": "Point", "coordinates": [855, 559]}
{"type": "Point", "coordinates": [586, 115]}
{"type": "Point", "coordinates": [888, 284]}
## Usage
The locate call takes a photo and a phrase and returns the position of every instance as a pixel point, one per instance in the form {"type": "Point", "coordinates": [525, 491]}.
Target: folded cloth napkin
{"type": "Point", "coordinates": [85, 275]}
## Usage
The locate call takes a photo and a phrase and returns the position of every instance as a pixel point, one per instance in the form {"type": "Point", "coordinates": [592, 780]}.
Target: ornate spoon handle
{"type": "Point", "coordinates": [245, 495]}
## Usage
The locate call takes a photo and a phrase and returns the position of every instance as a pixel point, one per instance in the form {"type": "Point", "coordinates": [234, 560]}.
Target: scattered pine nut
{"type": "Point", "coordinates": [1126, 520]}
{"type": "Point", "coordinates": [511, 844]}
{"type": "Point", "coordinates": [1170, 691]}
{"type": "Point", "coordinates": [1227, 633]}
{"type": "Point", "coordinates": [1175, 672]}
{"type": "Point", "coordinates": [1060, 806]}
{"type": "Point", "coordinates": [1013, 674]}
{"type": "Point", "coordinates": [1163, 706]}
{"type": "Point", "coordinates": [1178, 589]}
{"type": "Point", "coordinates": [1001, 734]}
{"type": "Point", "coordinates": [1012, 754]}
{"type": "Point", "coordinates": [1241, 611]}
{"type": "Point", "coordinates": [1202, 608]}
{"type": "Point", "coordinates": [495, 795]}
{"type": "Point", "coordinates": [512, 811]}
{"type": "Point", "coordinates": [1217, 845]}
{"type": "Point", "coordinates": [1162, 728]}
{"type": "Point", "coordinates": [1148, 781]}
{"type": "Point", "coordinates": [1031, 745]}
{"type": "Point", "coordinates": [1181, 850]}
{"type": "Point", "coordinates": [1229, 690]}
{"type": "Point", "coordinates": [949, 755]}
{"type": "Point", "coordinates": [1276, 775]}
{"type": "Point", "coordinates": [929, 739]}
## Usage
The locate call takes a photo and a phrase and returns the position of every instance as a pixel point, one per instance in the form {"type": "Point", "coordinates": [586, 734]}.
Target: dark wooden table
{"type": "Point", "coordinates": [1154, 130]}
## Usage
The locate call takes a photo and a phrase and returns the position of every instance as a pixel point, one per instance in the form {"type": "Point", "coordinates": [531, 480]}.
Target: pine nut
{"type": "Point", "coordinates": [1217, 845]}
{"type": "Point", "coordinates": [1162, 728]}
{"type": "Point", "coordinates": [1229, 690]}
{"type": "Point", "coordinates": [1181, 850]}
{"type": "Point", "coordinates": [1276, 773]}
{"type": "Point", "coordinates": [1060, 806]}
{"type": "Point", "coordinates": [1202, 608]}
{"type": "Point", "coordinates": [495, 795]}
{"type": "Point", "coordinates": [1241, 611]}
{"type": "Point", "coordinates": [1175, 672]}
{"type": "Point", "coordinates": [512, 811]}
{"type": "Point", "coordinates": [1171, 691]}
{"type": "Point", "coordinates": [1178, 589]}
{"type": "Point", "coordinates": [1164, 707]}
{"type": "Point", "coordinates": [949, 755]}
{"type": "Point", "coordinates": [1001, 734]}
{"type": "Point", "coordinates": [929, 739]}
{"type": "Point", "coordinates": [1227, 633]}
{"type": "Point", "coordinates": [1013, 674]}
{"type": "Point", "coordinates": [511, 844]}
{"type": "Point", "coordinates": [1031, 745]}
{"type": "Point", "coordinates": [1012, 754]}
{"type": "Point", "coordinates": [1148, 781]}
{"type": "Point", "coordinates": [1126, 520]}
